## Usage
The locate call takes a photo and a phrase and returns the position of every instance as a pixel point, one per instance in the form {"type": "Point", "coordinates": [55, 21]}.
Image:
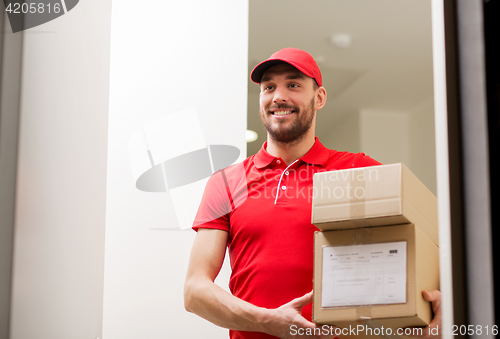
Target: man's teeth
{"type": "Point", "coordinates": [282, 112]}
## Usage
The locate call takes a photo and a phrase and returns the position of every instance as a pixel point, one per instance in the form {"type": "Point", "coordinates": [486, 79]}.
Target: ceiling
{"type": "Point", "coordinates": [388, 65]}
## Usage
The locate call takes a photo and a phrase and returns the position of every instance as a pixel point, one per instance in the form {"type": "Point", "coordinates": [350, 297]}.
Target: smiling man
{"type": "Point", "coordinates": [265, 223]}
{"type": "Point", "coordinates": [283, 119]}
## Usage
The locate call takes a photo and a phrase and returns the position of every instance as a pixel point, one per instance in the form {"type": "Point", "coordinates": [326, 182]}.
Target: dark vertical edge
{"type": "Point", "coordinates": [455, 165]}
{"type": "Point", "coordinates": [5, 235]}
{"type": "Point", "coordinates": [475, 165]}
{"type": "Point", "coordinates": [492, 56]}
{"type": "Point", "coordinates": [10, 81]}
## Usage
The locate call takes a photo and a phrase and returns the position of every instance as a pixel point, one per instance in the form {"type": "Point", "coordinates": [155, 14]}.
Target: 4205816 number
{"type": "Point", "coordinates": [471, 329]}
{"type": "Point", "coordinates": [33, 7]}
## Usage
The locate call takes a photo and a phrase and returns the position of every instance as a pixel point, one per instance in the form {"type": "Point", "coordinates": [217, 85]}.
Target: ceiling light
{"type": "Point", "coordinates": [251, 136]}
{"type": "Point", "coordinates": [341, 40]}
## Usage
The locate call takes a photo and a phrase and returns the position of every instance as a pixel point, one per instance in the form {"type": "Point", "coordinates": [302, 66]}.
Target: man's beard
{"type": "Point", "coordinates": [296, 131]}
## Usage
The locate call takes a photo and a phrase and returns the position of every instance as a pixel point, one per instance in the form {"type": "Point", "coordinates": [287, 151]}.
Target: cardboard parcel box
{"type": "Point", "coordinates": [374, 276]}
{"type": "Point", "coordinates": [373, 196]}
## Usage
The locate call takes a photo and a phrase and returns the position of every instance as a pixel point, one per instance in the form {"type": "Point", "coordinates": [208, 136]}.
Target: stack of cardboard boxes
{"type": "Point", "coordinates": [378, 249]}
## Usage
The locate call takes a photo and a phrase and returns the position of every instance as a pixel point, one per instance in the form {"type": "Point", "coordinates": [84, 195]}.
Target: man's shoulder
{"type": "Point", "coordinates": [233, 174]}
{"type": "Point", "coordinates": [345, 159]}
{"type": "Point", "coordinates": [243, 164]}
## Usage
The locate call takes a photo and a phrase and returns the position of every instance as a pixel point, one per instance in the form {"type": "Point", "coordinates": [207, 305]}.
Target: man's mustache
{"type": "Point", "coordinates": [282, 107]}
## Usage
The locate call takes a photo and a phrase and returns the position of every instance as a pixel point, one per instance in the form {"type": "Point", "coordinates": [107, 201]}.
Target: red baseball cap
{"type": "Point", "coordinates": [298, 58]}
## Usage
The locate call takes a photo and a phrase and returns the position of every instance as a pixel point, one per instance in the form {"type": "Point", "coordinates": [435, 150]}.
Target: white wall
{"type": "Point", "coordinates": [423, 143]}
{"type": "Point", "coordinates": [343, 136]}
{"type": "Point", "coordinates": [60, 216]}
{"type": "Point", "coordinates": [384, 135]}
{"type": "Point", "coordinates": [166, 59]}
{"type": "Point", "coordinates": [389, 137]}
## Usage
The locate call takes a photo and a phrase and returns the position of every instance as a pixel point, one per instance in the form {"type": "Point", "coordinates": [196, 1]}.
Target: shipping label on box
{"type": "Point", "coordinates": [376, 274]}
{"type": "Point", "coordinates": [361, 275]}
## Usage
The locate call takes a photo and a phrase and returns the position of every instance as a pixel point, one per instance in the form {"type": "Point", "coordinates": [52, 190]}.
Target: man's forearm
{"type": "Point", "coordinates": [204, 298]}
{"type": "Point", "coordinates": [218, 306]}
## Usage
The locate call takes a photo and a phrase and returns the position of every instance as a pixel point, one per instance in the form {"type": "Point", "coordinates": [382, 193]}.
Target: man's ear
{"type": "Point", "coordinates": [320, 98]}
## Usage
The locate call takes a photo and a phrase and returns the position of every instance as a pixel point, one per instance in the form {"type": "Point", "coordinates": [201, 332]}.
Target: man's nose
{"type": "Point", "coordinates": [280, 95]}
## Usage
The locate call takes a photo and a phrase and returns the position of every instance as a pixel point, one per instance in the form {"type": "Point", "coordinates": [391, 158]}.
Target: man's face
{"type": "Point", "coordinates": [287, 103]}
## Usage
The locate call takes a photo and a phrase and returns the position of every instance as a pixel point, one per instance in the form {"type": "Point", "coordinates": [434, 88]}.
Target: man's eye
{"type": "Point", "coordinates": [294, 85]}
{"type": "Point", "coordinates": [268, 87]}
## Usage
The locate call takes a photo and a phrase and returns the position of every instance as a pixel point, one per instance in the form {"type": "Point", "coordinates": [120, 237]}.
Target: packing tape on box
{"type": "Point", "coordinates": [357, 208]}
{"type": "Point", "coordinates": [363, 236]}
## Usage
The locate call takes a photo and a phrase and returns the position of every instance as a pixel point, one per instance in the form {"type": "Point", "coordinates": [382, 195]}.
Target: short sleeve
{"type": "Point", "coordinates": [365, 161]}
{"type": "Point", "coordinates": [214, 206]}
{"type": "Point", "coordinates": [225, 191]}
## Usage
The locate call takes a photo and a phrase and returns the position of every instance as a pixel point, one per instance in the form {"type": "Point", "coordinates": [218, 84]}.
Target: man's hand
{"type": "Point", "coordinates": [433, 330]}
{"type": "Point", "coordinates": [287, 320]}
{"type": "Point", "coordinates": [203, 297]}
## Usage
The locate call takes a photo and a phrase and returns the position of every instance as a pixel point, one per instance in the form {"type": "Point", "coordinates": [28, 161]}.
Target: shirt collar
{"type": "Point", "coordinates": [262, 158]}
{"type": "Point", "coordinates": [317, 155]}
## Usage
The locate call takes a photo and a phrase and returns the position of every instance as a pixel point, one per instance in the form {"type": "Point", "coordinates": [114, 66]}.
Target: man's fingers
{"type": "Point", "coordinates": [435, 298]}
{"type": "Point", "coordinates": [431, 331]}
{"type": "Point", "coordinates": [431, 295]}
{"type": "Point", "coordinates": [291, 313]}
{"type": "Point", "coordinates": [302, 301]}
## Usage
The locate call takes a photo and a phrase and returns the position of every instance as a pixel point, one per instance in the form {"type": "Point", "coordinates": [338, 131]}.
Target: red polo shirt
{"type": "Point", "coordinates": [265, 205]}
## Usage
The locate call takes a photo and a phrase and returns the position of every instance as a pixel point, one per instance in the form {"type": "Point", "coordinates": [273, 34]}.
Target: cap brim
{"type": "Point", "coordinates": [261, 68]}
